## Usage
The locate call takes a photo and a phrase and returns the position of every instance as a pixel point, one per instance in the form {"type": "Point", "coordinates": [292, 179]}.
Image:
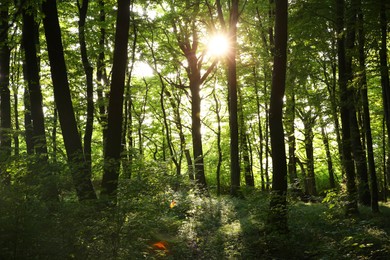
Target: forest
{"type": "Point", "coordinates": [194, 129]}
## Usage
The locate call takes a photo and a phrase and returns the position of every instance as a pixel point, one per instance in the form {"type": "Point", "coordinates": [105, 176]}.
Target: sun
{"type": "Point", "coordinates": [218, 45]}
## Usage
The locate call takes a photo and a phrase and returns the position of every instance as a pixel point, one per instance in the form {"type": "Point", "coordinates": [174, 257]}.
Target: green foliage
{"type": "Point", "coordinates": [193, 227]}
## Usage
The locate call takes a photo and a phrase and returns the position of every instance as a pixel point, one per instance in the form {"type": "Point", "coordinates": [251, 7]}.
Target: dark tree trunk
{"type": "Point", "coordinates": [196, 124]}
{"type": "Point", "coordinates": [115, 106]}
{"type": "Point", "coordinates": [5, 96]}
{"type": "Point", "coordinates": [349, 168]}
{"type": "Point", "coordinates": [325, 140]}
{"type": "Point", "coordinates": [366, 112]}
{"type": "Point", "coordinates": [30, 41]}
{"type": "Point", "coordinates": [278, 203]}
{"type": "Point", "coordinates": [267, 149]}
{"type": "Point", "coordinates": [244, 140]}
{"type": "Point", "coordinates": [260, 131]}
{"type": "Point", "coordinates": [28, 132]}
{"type": "Point", "coordinates": [356, 143]}
{"type": "Point", "coordinates": [233, 104]}
{"type": "Point", "coordinates": [88, 70]}
{"type": "Point", "coordinates": [219, 147]}
{"type": "Point", "coordinates": [308, 121]}
{"type": "Point", "coordinates": [79, 169]}
{"type": "Point", "coordinates": [290, 129]}
{"type": "Point", "coordinates": [101, 75]}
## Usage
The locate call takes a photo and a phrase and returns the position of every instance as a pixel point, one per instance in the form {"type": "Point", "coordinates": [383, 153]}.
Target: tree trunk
{"type": "Point", "coordinates": [290, 129]}
{"type": "Point", "coordinates": [219, 147]}
{"type": "Point", "coordinates": [88, 70]}
{"type": "Point", "coordinates": [101, 75]}
{"type": "Point", "coordinates": [233, 103]}
{"type": "Point", "coordinates": [366, 112]}
{"type": "Point", "coordinates": [356, 144]}
{"type": "Point", "coordinates": [349, 168]}
{"type": "Point", "coordinates": [30, 41]}
{"type": "Point", "coordinates": [260, 131]}
{"type": "Point", "coordinates": [79, 169]}
{"type": "Point", "coordinates": [28, 127]}
{"type": "Point", "coordinates": [308, 121]}
{"type": "Point", "coordinates": [115, 106]}
{"type": "Point", "coordinates": [278, 203]}
{"type": "Point", "coordinates": [5, 98]}
{"type": "Point", "coordinates": [325, 140]}
{"type": "Point", "coordinates": [196, 125]}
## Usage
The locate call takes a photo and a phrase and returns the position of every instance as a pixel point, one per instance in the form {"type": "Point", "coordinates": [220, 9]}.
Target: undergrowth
{"type": "Point", "coordinates": [162, 217]}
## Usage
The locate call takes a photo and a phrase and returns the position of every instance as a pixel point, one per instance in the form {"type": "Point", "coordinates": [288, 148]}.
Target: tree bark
{"type": "Point", "coordinates": [366, 112]}
{"type": "Point", "coordinates": [115, 106]}
{"type": "Point", "coordinates": [219, 147]}
{"type": "Point", "coordinates": [233, 103]}
{"type": "Point", "coordinates": [88, 70]}
{"type": "Point", "coordinates": [5, 98]}
{"type": "Point", "coordinates": [356, 143]}
{"type": "Point", "coordinates": [278, 203]}
{"type": "Point", "coordinates": [79, 169]}
{"type": "Point", "coordinates": [349, 168]}
{"type": "Point", "coordinates": [325, 140]}
{"type": "Point", "coordinates": [30, 41]}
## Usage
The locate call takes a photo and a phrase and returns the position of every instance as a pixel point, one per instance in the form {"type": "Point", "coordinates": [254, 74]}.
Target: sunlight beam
{"type": "Point", "coordinates": [218, 45]}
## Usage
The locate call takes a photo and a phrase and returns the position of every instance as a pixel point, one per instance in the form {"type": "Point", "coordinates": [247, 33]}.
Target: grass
{"type": "Point", "coordinates": [147, 225]}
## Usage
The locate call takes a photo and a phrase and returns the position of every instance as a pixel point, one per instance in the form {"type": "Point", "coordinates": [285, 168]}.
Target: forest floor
{"type": "Point", "coordinates": [153, 222]}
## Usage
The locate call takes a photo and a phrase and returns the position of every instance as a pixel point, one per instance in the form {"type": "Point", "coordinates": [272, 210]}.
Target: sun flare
{"type": "Point", "coordinates": [218, 45]}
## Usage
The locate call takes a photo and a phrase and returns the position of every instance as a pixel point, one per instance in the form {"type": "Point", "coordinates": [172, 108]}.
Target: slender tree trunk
{"type": "Point", "coordinates": [356, 143]}
{"type": "Point", "coordinates": [349, 168]}
{"type": "Point", "coordinates": [30, 41]}
{"type": "Point", "coordinates": [79, 169]}
{"type": "Point", "coordinates": [249, 181]}
{"type": "Point", "coordinates": [28, 132]}
{"type": "Point", "coordinates": [290, 129]}
{"type": "Point", "coordinates": [325, 140]}
{"type": "Point", "coordinates": [101, 75]}
{"type": "Point", "coordinates": [88, 70]}
{"type": "Point", "coordinates": [260, 132]}
{"type": "Point", "coordinates": [219, 147]}
{"type": "Point", "coordinates": [384, 70]}
{"type": "Point", "coordinates": [366, 112]}
{"type": "Point", "coordinates": [5, 98]}
{"type": "Point", "coordinates": [115, 107]}
{"type": "Point", "coordinates": [278, 203]}
{"type": "Point", "coordinates": [308, 121]}
{"type": "Point", "coordinates": [267, 150]}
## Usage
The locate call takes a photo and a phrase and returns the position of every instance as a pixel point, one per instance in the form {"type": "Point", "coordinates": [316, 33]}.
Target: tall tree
{"type": "Point", "coordinates": [115, 106]}
{"type": "Point", "coordinates": [80, 171]}
{"type": "Point", "coordinates": [384, 70]}
{"type": "Point", "coordinates": [30, 42]}
{"type": "Point", "coordinates": [345, 95]}
{"type": "Point", "coordinates": [187, 35]}
{"type": "Point", "coordinates": [366, 110]}
{"type": "Point", "coordinates": [5, 98]}
{"type": "Point", "coordinates": [232, 92]}
{"type": "Point", "coordinates": [278, 203]}
{"type": "Point", "coordinates": [88, 70]}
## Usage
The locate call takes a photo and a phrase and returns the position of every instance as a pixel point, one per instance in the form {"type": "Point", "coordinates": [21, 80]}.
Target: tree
{"type": "Point", "coordinates": [88, 70]}
{"type": "Point", "coordinates": [366, 110]}
{"type": "Point", "coordinates": [80, 171]}
{"type": "Point", "coordinates": [115, 106]}
{"type": "Point", "coordinates": [232, 93]}
{"type": "Point", "coordinates": [278, 203]}
{"type": "Point", "coordinates": [5, 98]}
{"type": "Point", "coordinates": [345, 96]}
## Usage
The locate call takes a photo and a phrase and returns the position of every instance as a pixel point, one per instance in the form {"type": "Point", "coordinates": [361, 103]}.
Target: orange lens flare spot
{"type": "Point", "coordinates": [173, 204]}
